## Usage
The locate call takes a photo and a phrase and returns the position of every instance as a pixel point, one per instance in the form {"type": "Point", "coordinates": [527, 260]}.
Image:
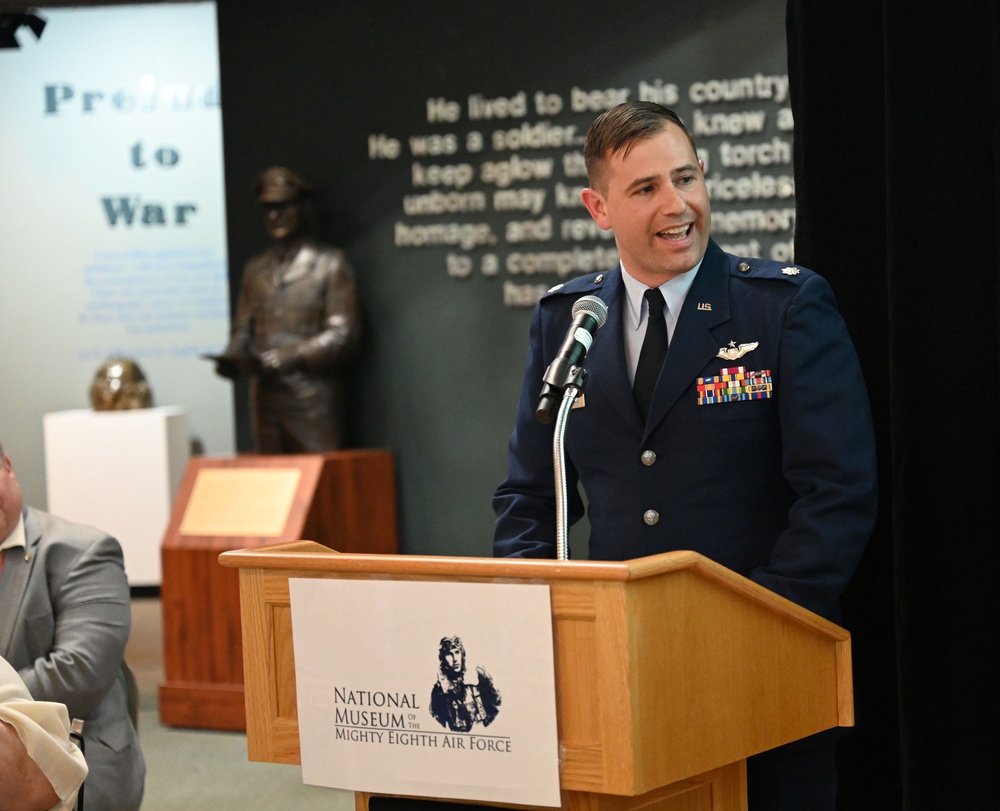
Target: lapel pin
{"type": "Point", "coordinates": [704, 305]}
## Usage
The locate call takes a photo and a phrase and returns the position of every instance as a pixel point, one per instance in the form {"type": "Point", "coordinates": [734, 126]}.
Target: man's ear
{"type": "Point", "coordinates": [594, 201]}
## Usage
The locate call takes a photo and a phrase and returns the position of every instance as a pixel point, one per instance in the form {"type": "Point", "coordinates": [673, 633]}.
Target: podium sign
{"type": "Point", "coordinates": [428, 689]}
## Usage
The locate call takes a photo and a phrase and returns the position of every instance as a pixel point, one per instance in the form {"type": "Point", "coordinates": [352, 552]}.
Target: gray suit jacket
{"type": "Point", "coordinates": [65, 616]}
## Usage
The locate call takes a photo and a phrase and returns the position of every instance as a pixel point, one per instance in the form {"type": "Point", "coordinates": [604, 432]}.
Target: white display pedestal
{"type": "Point", "coordinates": [119, 471]}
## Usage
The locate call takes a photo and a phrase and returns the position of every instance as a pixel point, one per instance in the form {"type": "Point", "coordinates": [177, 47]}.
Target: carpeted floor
{"type": "Point", "coordinates": [190, 770]}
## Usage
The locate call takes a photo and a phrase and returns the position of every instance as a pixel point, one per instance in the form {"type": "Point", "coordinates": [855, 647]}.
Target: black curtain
{"type": "Point", "coordinates": [897, 159]}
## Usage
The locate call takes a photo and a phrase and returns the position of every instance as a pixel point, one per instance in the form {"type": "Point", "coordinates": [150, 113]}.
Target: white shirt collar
{"type": "Point", "coordinates": [674, 291]}
{"type": "Point", "coordinates": [17, 537]}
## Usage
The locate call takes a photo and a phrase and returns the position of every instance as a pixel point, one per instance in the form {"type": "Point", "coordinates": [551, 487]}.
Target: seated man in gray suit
{"type": "Point", "coordinates": [65, 617]}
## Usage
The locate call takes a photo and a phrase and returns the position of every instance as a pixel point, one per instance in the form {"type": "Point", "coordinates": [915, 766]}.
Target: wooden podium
{"type": "Point", "coordinates": [344, 498]}
{"type": "Point", "coordinates": [670, 670]}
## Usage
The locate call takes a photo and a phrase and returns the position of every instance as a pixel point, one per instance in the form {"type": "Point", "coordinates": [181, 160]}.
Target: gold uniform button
{"type": "Point", "coordinates": [744, 267]}
{"type": "Point", "coordinates": [650, 517]}
{"type": "Point", "coordinates": [648, 458]}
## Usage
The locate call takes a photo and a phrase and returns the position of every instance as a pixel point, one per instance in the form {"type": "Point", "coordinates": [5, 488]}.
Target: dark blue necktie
{"type": "Point", "coordinates": [654, 350]}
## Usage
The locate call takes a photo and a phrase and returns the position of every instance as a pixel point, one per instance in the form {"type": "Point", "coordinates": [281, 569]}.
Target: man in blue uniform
{"type": "Point", "coordinates": [741, 429]}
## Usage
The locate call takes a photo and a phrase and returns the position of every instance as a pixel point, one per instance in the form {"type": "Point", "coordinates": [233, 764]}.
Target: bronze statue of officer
{"type": "Point", "coordinates": [296, 325]}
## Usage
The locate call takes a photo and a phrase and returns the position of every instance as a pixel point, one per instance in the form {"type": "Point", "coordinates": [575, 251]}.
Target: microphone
{"type": "Point", "coordinates": [589, 315]}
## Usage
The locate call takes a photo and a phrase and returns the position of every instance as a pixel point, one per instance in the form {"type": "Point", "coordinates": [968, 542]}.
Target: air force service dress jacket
{"type": "Point", "coordinates": [758, 451]}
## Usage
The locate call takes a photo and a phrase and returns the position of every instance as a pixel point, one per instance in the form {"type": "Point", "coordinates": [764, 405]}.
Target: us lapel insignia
{"type": "Point", "coordinates": [734, 352]}
{"type": "Point", "coordinates": [790, 271]}
{"type": "Point", "coordinates": [704, 305]}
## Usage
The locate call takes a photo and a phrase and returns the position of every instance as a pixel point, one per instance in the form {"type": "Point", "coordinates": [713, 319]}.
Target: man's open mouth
{"type": "Point", "coordinates": [680, 232]}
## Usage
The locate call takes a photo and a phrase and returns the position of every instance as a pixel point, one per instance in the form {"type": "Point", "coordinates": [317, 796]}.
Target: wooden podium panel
{"type": "Point", "coordinates": [670, 670]}
{"type": "Point", "coordinates": [344, 499]}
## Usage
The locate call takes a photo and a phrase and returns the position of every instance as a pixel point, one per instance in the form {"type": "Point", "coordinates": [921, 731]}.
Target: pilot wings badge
{"type": "Point", "coordinates": [734, 352]}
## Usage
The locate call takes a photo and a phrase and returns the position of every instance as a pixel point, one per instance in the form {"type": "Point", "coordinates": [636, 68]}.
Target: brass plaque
{"type": "Point", "coordinates": [238, 502]}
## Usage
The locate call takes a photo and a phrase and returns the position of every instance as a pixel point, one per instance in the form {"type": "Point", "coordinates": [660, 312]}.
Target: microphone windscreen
{"type": "Point", "coordinates": [594, 306]}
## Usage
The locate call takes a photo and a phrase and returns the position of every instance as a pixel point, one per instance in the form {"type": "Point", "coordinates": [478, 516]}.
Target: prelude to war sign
{"type": "Point", "coordinates": [427, 689]}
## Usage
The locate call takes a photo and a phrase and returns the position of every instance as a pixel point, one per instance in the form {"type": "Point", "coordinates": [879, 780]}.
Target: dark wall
{"type": "Point", "coordinates": [885, 96]}
{"type": "Point", "coordinates": [306, 84]}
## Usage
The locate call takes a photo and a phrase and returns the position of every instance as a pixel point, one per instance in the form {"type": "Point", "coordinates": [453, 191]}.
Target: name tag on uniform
{"type": "Point", "coordinates": [735, 384]}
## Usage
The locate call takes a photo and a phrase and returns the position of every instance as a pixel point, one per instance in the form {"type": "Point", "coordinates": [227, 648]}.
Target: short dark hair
{"type": "Point", "coordinates": [617, 129]}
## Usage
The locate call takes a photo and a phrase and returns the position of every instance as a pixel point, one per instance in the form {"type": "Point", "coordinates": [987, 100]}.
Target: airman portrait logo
{"type": "Point", "coordinates": [457, 703]}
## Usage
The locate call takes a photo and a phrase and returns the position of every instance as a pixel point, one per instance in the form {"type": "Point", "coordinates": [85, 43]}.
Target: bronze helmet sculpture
{"type": "Point", "coordinates": [119, 384]}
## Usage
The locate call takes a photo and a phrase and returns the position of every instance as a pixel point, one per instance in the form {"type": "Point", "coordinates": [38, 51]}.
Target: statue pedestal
{"type": "Point", "coordinates": [343, 499]}
{"type": "Point", "coordinates": [119, 471]}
